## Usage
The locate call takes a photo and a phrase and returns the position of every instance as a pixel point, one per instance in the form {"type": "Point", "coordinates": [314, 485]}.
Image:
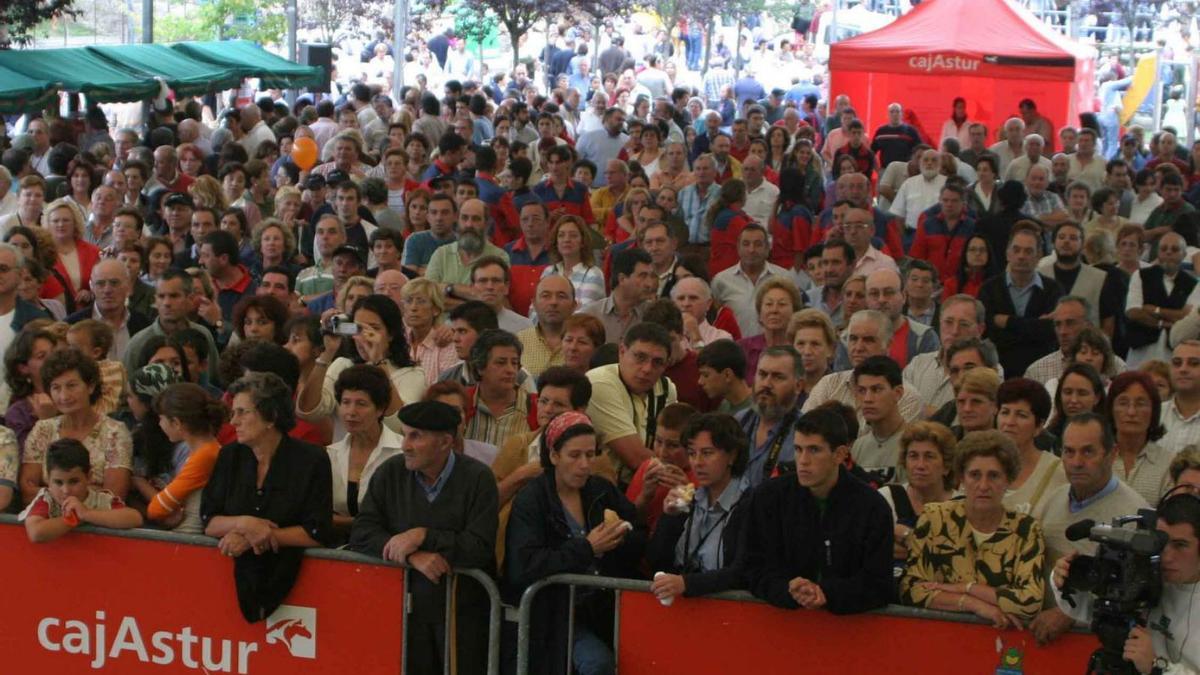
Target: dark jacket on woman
{"type": "Point", "coordinates": [539, 544]}
{"type": "Point", "coordinates": [298, 490]}
{"type": "Point", "coordinates": [660, 553]}
{"type": "Point", "coordinates": [846, 549]}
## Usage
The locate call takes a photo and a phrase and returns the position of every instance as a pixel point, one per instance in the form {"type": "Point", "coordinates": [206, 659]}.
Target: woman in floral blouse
{"type": "Point", "coordinates": [974, 555]}
{"type": "Point", "coordinates": [73, 381]}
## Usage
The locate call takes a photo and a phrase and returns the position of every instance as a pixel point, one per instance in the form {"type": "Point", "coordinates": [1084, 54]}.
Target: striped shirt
{"type": "Point", "coordinates": [1181, 431]}
{"type": "Point", "coordinates": [487, 427]}
{"type": "Point", "coordinates": [1150, 476]}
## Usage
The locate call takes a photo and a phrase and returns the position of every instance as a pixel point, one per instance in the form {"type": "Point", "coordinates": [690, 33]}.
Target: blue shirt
{"type": "Point", "coordinates": [599, 147]}
{"type": "Point", "coordinates": [758, 454]}
{"type": "Point", "coordinates": [1020, 296]}
{"type": "Point", "coordinates": [419, 248]}
{"type": "Point", "coordinates": [432, 491]}
{"type": "Point", "coordinates": [702, 546]}
{"type": "Point", "coordinates": [319, 304]}
{"type": "Point", "coordinates": [1076, 506]}
{"type": "Point", "coordinates": [694, 208]}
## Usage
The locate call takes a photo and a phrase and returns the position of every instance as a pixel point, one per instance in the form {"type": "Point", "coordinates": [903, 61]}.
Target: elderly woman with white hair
{"type": "Point", "coordinates": [693, 297]}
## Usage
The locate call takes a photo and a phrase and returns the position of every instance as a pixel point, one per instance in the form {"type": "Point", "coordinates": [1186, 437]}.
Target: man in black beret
{"type": "Point", "coordinates": [434, 510]}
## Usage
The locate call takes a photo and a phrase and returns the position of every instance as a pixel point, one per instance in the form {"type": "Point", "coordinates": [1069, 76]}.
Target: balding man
{"type": "Point", "coordinates": [920, 192]}
{"type": "Point", "coordinates": [697, 198]}
{"type": "Point", "coordinates": [111, 285]}
{"type": "Point", "coordinates": [166, 172]}
{"type": "Point", "coordinates": [1041, 204]}
{"type": "Point", "coordinates": [1033, 146]}
{"type": "Point", "coordinates": [191, 131]}
{"type": "Point", "coordinates": [867, 336]}
{"type": "Point", "coordinates": [1010, 147]}
{"type": "Point", "coordinates": [256, 130]}
{"type": "Point", "coordinates": [857, 229]}
{"type": "Point", "coordinates": [672, 169]}
{"type": "Point", "coordinates": [605, 199]}
{"type": "Point", "coordinates": [99, 227]}
{"type": "Point", "coordinates": [1158, 296]}
{"type": "Point", "coordinates": [553, 301]}
{"type": "Point", "coordinates": [451, 264]}
{"type": "Point", "coordinates": [390, 283]}
{"type": "Point", "coordinates": [760, 193]}
{"type": "Point", "coordinates": [856, 189]}
{"type": "Point", "coordinates": [885, 294]}
{"type": "Point", "coordinates": [693, 297]}
{"type": "Point", "coordinates": [895, 140]}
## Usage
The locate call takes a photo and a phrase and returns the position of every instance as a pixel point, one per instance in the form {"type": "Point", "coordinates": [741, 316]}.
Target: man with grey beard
{"type": "Point", "coordinates": [769, 423]}
{"type": "Point", "coordinates": [451, 264]}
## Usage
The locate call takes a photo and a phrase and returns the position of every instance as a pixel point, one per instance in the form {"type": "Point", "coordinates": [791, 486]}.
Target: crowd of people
{"type": "Point", "coordinates": [726, 341]}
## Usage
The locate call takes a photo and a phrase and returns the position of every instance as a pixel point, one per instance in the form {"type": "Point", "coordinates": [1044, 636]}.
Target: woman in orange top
{"type": "Point", "coordinates": [190, 416]}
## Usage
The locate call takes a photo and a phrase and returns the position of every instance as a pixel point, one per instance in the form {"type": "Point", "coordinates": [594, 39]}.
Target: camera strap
{"type": "Point", "coordinates": [689, 560]}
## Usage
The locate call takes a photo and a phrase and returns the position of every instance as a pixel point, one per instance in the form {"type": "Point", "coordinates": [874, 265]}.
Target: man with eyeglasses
{"type": "Point", "coordinates": [857, 229]}
{"type": "Point", "coordinates": [628, 396]}
{"type": "Point", "coordinates": [1158, 296]}
{"type": "Point", "coordinates": [1069, 317]}
{"type": "Point", "coordinates": [909, 338]}
{"type": "Point", "coordinates": [110, 286]}
{"type": "Point", "coordinates": [962, 317]}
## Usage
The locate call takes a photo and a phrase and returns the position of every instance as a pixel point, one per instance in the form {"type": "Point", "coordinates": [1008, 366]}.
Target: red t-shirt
{"type": "Point", "coordinates": [655, 510]}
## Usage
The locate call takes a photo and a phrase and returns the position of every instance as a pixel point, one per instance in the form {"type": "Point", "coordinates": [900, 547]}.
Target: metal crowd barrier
{"type": "Point", "coordinates": [524, 611]}
{"type": "Point", "coordinates": [495, 613]}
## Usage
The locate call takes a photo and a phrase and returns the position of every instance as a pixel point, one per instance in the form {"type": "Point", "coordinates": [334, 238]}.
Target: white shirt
{"type": "Point", "coordinates": [760, 202]}
{"type": "Point", "coordinates": [962, 133]}
{"type": "Point", "coordinates": [1019, 167]}
{"type": "Point", "coordinates": [1139, 211]}
{"type": "Point", "coordinates": [734, 289]}
{"type": "Point", "coordinates": [339, 458]}
{"type": "Point", "coordinates": [8, 204]}
{"type": "Point", "coordinates": [1181, 431]}
{"type": "Point", "coordinates": [872, 260]}
{"type": "Point", "coordinates": [7, 335]}
{"type": "Point", "coordinates": [1159, 349]}
{"type": "Point", "coordinates": [255, 137]}
{"type": "Point", "coordinates": [915, 195]}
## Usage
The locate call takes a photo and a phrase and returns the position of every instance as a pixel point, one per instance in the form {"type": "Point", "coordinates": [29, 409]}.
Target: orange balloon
{"type": "Point", "coordinates": [304, 153]}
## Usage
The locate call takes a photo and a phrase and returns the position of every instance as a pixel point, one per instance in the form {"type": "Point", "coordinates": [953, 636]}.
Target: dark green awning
{"type": "Point", "coordinates": [19, 93]}
{"type": "Point", "coordinates": [185, 75]}
{"type": "Point", "coordinates": [250, 60]}
{"type": "Point", "coordinates": [79, 70]}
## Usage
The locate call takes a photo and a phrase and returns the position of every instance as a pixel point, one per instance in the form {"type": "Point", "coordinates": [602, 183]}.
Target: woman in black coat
{"type": "Point", "coordinates": [558, 525]}
{"type": "Point", "coordinates": [695, 544]}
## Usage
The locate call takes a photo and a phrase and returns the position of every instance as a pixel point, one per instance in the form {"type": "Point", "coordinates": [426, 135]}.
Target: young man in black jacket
{"type": "Point", "coordinates": [821, 538]}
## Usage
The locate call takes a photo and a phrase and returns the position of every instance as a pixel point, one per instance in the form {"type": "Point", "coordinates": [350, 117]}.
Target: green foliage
{"type": "Point", "coordinates": [261, 21]}
{"type": "Point", "coordinates": [472, 24]}
{"type": "Point", "coordinates": [18, 18]}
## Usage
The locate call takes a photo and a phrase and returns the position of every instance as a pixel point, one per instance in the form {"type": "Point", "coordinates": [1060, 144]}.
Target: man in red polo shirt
{"type": "Point", "coordinates": [528, 255]}
{"type": "Point", "coordinates": [502, 212]}
{"type": "Point", "coordinates": [219, 255]}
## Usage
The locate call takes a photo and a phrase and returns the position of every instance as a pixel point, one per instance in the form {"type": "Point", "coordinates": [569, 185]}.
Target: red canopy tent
{"type": "Point", "coordinates": [991, 52]}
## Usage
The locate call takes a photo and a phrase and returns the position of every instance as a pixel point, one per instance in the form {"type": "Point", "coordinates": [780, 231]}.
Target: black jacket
{"type": "Point", "coordinates": [539, 544]}
{"type": "Point", "coordinates": [660, 553]}
{"type": "Point", "coordinates": [136, 321]}
{"type": "Point", "coordinates": [1025, 338]}
{"type": "Point", "coordinates": [847, 551]}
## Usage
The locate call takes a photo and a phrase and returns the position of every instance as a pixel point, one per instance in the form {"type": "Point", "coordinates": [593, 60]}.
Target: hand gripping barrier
{"type": "Point", "coordinates": [735, 632]}
{"type": "Point", "coordinates": [149, 601]}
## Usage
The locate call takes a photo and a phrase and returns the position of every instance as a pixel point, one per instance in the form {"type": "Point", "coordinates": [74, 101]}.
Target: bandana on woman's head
{"type": "Point", "coordinates": [152, 379]}
{"type": "Point", "coordinates": [558, 425]}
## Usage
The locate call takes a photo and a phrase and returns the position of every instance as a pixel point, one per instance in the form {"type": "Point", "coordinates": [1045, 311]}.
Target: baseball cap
{"type": "Point", "coordinates": [179, 199]}
{"type": "Point", "coordinates": [352, 250]}
{"type": "Point", "coordinates": [315, 181]}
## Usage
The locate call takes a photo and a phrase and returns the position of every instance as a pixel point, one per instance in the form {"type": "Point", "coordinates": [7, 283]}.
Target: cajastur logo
{"type": "Point", "coordinates": [295, 627]}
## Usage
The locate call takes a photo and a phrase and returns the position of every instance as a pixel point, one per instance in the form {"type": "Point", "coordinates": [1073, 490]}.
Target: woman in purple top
{"type": "Point", "coordinates": [28, 402]}
{"type": "Point", "coordinates": [776, 300]}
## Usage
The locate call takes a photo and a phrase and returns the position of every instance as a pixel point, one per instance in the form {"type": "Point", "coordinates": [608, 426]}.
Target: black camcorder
{"type": "Point", "coordinates": [1123, 578]}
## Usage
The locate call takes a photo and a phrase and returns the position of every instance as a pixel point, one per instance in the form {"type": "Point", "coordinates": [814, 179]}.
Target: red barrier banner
{"type": "Point", "coordinates": [94, 602]}
{"type": "Point", "coordinates": [726, 636]}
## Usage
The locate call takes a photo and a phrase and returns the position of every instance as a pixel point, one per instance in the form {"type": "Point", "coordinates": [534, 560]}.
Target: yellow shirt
{"type": "Point", "coordinates": [616, 413]}
{"type": "Point", "coordinates": [536, 355]}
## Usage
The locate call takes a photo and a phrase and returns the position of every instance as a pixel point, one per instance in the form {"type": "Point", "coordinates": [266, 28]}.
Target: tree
{"type": "Point", "coordinates": [18, 18]}
{"type": "Point", "coordinates": [261, 21]}
{"type": "Point", "coordinates": [517, 16]}
{"type": "Point", "coordinates": [331, 16]}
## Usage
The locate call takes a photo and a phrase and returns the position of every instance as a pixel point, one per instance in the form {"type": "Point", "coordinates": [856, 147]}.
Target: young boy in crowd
{"type": "Point", "coordinates": [95, 338]}
{"type": "Point", "coordinates": [669, 466]}
{"type": "Point", "coordinates": [69, 500]}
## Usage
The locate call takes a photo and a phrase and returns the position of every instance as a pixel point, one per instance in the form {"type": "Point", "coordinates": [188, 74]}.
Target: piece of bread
{"type": "Point", "coordinates": [687, 492]}
{"type": "Point", "coordinates": [611, 517]}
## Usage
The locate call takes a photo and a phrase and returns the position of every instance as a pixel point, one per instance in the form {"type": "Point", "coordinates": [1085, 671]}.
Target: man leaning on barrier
{"type": "Point", "coordinates": [434, 510]}
{"type": "Point", "coordinates": [821, 538]}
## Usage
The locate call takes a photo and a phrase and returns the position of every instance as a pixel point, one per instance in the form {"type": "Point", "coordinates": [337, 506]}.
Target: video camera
{"type": "Point", "coordinates": [1123, 578]}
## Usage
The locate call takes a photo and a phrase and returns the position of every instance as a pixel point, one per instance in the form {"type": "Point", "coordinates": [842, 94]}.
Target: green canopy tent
{"type": "Point", "coordinates": [186, 76]}
{"type": "Point", "coordinates": [250, 60]}
{"type": "Point", "coordinates": [19, 93]}
{"type": "Point", "coordinates": [79, 70]}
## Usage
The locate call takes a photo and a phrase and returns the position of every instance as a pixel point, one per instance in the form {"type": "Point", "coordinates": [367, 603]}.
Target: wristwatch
{"type": "Point", "coordinates": [1160, 666]}
{"type": "Point", "coordinates": [449, 291]}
